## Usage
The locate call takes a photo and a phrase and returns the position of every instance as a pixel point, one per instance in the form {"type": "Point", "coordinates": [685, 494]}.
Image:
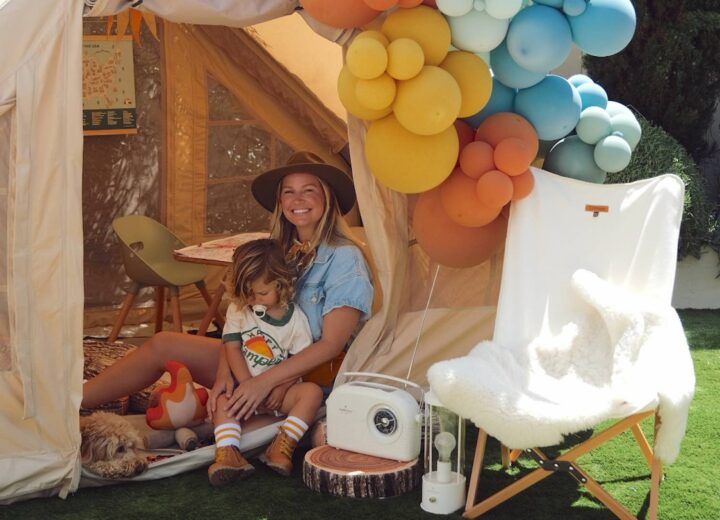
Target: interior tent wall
{"type": "Point", "coordinates": [41, 287]}
{"type": "Point", "coordinates": [230, 112]}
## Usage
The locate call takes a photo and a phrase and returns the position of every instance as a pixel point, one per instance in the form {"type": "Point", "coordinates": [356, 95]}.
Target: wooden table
{"type": "Point", "coordinates": [215, 252]}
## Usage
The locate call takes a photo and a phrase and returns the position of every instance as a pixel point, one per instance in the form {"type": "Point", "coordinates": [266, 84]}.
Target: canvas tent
{"type": "Point", "coordinates": [41, 304]}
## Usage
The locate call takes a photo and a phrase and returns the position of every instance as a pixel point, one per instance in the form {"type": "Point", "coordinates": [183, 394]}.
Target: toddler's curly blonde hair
{"type": "Point", "coordinates": [261, 260]}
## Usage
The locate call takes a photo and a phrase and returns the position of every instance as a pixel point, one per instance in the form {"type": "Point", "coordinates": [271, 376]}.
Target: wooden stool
{"type": "Point", "coordinates": [348, 474]}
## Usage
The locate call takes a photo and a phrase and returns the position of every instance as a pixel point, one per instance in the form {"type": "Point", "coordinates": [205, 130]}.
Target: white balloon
{"type": "Point", "coordinates": [503, 9]}
{"type": "Point", "coordinates": [454, 7]}
{"type": "Point", "coordinates": [479, 5]}
{"type": "Point", "coordinates": [477, 31]}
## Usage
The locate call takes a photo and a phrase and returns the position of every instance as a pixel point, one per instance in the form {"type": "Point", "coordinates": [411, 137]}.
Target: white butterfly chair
{"type": "Point", "coordinates": [584, 333]}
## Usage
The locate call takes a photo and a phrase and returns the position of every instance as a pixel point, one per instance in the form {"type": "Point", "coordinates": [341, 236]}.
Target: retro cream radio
{"type": "Point", "coordinates": [375, 418]}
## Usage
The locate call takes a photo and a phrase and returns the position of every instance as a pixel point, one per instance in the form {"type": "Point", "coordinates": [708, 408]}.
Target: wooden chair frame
{"type": "Point", "coordinates": [566, 463]}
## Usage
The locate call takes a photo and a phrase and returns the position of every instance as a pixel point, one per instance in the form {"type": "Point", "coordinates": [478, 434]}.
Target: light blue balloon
{"type": "Point", "coordinates": [552, 106]}
{"type": "Point", "coordinates": [570, 157]}
{"type": "Point", "coordinates": [612, 153]}
{"type": "Point", "coordinates": [477, 31]}
{"type": "Point", "coordinates": [574, 7]}
{"type": "Point", "coordinates": [579, 79]}
{"type": "Point", "coordinates": [539, 38]}
{"type": "Point", "coordinates": [628, 126]}
{"type": "Point", "coordinates": [605, 27]}
{"type": "Point", "coordinates": [551, 3]}
{"type": "Point", "coordinates": [594, 124]}
{"type": "Point", "coordinates": [501, 100]}
{"type": "Point", "coordinates": [509, 73]}
{"type": "Point", "coordinates": [592, 95]}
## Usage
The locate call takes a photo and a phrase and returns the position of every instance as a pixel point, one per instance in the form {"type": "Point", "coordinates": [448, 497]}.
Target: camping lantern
{"type": "Point", "coordinates": [443, 484]}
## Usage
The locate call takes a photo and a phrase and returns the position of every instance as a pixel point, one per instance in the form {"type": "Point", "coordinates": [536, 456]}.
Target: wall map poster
{"type": "Point", "coordinates": [108, 85]}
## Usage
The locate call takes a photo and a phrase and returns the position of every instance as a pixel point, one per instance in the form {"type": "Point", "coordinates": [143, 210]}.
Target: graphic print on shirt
{"type": "Point", "coordinates": [260, 349]}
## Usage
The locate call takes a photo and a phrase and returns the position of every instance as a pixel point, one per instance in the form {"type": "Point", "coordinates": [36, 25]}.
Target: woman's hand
{"type": "Point", "coordinates": [247, 397]}
{"type": "Point", "coordinates": [223, 385]}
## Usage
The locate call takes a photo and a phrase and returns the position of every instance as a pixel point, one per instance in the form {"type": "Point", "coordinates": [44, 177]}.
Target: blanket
{"type": "Point", "coordinates": [622, 355]}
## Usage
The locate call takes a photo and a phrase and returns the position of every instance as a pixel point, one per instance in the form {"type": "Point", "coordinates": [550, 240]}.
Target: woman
{"type": "Point", "coordinates": [307, 198]}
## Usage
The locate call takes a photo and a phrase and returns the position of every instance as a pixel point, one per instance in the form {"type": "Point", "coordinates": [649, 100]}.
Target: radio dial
{"type": "Point", "coordinates": [385, 421]}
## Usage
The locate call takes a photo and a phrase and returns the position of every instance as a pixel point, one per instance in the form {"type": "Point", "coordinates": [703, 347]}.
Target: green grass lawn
{"type": "Point", "coordinates": [691, 489]}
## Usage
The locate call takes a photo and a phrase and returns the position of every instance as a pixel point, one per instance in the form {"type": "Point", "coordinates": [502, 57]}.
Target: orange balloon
{"type": "Point", "coordinates": [461, 203]}
{"type": "Point", "coordinates": [465, 133]}
{"type": "Point", "coordinates": [346, 14]}
{"type": "Point", "coordinates": [522, 185]}
{"type": "Point", "coordinates": [476, 158]}
{"type": "Point", "coordinates": [451, 244]}
{"type": "Point", "coordinates": [494, 189]}
{"type": "Point", "coordinates": [513, 156]}
{"type": "Point", "coordinates": [380, 5]}
{"type": "Point", "coordinates": [507, 124]}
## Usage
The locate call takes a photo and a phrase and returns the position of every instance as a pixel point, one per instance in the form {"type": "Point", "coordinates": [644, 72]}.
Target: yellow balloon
{"type": "Point", "coordinates": [424, 25]}
{"type": "Point", "coordinates": [366, 58]}
{"type": "Point", "coordinates": [375, 35]}
{"type": "Point", "coordinates": [407, 162]}
{"type": "Point", "coordinates": [346, 91]}
{"type": "Point", "coordinates": [428, 103]}
{"type": "Point", "coordinates": [473, 76]}
{"type": "Point", "coordinates": [405, 58]}
{"type": "Point", "coordinates": [377, 93]}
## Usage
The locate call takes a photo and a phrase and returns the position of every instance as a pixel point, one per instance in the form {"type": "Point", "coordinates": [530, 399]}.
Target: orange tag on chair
{"type": "Point", "coordinates": [593, 208]}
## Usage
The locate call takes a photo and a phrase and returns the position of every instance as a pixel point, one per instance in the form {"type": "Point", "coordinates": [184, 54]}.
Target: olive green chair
{"type": "Point", "coordinates": [147, 250]}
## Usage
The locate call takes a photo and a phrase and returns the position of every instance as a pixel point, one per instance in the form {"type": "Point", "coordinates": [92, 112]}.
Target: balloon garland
{"type": "Point", "coordinates": [461, 101]}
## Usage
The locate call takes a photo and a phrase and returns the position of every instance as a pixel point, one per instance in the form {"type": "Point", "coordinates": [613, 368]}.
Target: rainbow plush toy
{"type": "Point", "coordinates": [179, 403]}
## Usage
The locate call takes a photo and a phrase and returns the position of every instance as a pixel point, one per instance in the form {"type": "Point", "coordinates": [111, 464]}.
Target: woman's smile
{"type": "Point", "coordinates": [303, 202]}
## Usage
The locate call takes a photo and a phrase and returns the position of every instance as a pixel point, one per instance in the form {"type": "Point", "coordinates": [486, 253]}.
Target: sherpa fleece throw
{"type": "Point", "coordinates": [584, 329]}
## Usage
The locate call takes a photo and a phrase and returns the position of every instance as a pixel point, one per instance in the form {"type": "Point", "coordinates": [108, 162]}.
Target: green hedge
{"type": "Point", "coordinates": [670, 71]}
{"type": "Point", "coordinates": [658, 153]}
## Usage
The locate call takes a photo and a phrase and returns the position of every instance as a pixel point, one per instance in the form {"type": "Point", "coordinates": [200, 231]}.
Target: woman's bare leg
{"type": "Point", "coordinates": [146, 364]}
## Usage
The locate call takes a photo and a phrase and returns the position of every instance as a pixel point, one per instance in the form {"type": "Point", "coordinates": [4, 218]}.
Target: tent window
{"type": "Point", "coordinates": [7, 164]}
{"type": "Point", "coordinates": [222, 105]}
{"type": "Point", "coordinates": [239, 147]}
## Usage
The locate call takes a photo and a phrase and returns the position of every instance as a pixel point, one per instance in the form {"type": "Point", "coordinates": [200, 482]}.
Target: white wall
{"type": "Point", "coordinates": [696, 283]}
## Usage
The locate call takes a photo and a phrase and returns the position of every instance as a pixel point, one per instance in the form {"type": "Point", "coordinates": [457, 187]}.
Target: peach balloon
{"type": "Point", "coordinates": [381, 5]}
{"type": "Point", "coordinates": [522, 185]}
{"type": "Point", "coordinates": [451, 244]}
{"type": "Point", "coordinates": [513, 155]}
{"type": "Point", "coordinates": [346, 14]}
{"type": "Point", "coordinates": [465, 132]}
{"type": "Point", "coordinates": [494, 189]}
{"type": "Point", "coordinates": [476, 158]}
{"type": "Point", "coordinates": [507, 124]}
{"type": "Point", "coordinates": [461, 203]}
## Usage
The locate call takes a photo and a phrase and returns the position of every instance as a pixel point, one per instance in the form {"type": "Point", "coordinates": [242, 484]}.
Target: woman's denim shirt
{"type": "Point", "coordinates": [338, 277]}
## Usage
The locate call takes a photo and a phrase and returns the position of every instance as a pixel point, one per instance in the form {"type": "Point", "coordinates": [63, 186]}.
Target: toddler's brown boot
{"type": "Point", "coordinates": [278, 456]}
{"type": "Point", "coordinates": [229, 465]}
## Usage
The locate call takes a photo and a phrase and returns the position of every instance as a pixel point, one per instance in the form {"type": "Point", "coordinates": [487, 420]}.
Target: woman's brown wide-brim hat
{"type": "Point", "coordinates": [264, 187]}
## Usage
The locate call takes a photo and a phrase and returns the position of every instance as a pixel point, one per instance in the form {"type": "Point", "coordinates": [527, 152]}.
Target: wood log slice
{"type": "Point", "coordinates": [348, 474]}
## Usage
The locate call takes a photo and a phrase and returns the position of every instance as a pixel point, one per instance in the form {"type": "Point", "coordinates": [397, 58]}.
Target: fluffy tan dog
{"type": "Point", "coordinates": [110, 446]}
